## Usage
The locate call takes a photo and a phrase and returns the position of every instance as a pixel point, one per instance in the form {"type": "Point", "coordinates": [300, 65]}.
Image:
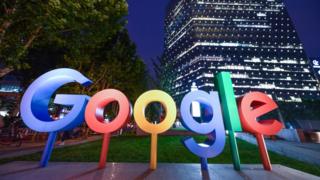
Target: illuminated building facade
{"type": "Point", "coordinates": [10, 84]}
{"type": "Point", "coordinates": [10, 89]}
{"type": "Point", "coordinates": [315, 63]}
{"type": "Point", "coordinates": [255, 40]}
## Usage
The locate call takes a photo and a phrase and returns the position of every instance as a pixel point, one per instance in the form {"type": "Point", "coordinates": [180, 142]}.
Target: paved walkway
{"type": "Point", "coordinates": [306, 152]}
{"type": "Point", "coordinates": [122, 171]}
{"type": "Point", "coordinates": [30, 148]}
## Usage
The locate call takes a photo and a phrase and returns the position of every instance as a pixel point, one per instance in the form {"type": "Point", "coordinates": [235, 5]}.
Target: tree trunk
{"type": "Point", "coordinates": [28, 44]}
{"type": "Point", "coordinates": [33, 36]}
{"type": "Point", "coordinates": [5, 71]}
{"type": "Point", "coordinates": [3, 29]}
{"type": "Point", "coordinates": [6, 24]}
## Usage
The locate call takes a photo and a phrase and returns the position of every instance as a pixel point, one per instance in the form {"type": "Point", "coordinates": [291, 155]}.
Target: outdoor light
{"type": "Point", "coordinates": [34, 112]}
{"type": "Point", "coordinates": [4, 113]}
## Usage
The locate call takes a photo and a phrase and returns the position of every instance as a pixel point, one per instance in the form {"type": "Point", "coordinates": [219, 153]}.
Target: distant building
{"type": "Point", "coordinates": [315, 63]}
{"type": "Point", "coordinates": [10, 93]}
{"type": "Point", "coordinates": [10, 83]}
{"type": "Point", "coordinates": [255, 40]}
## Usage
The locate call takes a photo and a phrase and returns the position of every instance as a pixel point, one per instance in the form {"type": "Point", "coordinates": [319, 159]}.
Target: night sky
{"type": "Point", "coordinates": [146, 25]}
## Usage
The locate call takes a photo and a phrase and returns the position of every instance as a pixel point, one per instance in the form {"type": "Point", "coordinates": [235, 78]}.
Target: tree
{"type": "Point", "coordinates": [117, 66]}
{"type": "Point", "coordinates": [77, 25]}
{"type": "Point", "coordinates": [87, 35]}
{"type": "Point", "coordinates": [4, 71]}
{"type": "Point", "coordinates": [164, 73]}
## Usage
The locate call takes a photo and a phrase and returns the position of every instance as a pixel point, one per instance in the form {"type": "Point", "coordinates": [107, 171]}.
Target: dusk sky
{"type": "Point", "coordinates": [146, 25]}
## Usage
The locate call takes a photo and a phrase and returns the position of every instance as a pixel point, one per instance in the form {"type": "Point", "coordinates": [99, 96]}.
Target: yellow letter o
{"type": "Point", "coordinates": [155, 96]}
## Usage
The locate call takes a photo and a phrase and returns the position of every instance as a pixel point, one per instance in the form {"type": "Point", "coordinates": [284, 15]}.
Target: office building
{"type": "Point", "coordinates": [255, 40]}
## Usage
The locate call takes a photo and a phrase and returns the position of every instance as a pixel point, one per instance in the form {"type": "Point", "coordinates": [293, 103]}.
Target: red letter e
{"type": "Point", "coordinates": [252, 106]}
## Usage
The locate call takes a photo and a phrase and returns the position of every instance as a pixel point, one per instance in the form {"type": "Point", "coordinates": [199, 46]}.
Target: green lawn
{"type": "Point", "coordinates": [170, 150]}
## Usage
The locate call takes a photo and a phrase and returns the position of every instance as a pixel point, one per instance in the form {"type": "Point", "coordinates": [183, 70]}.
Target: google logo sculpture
{"type": "Point", "coordinates": [234, 115]}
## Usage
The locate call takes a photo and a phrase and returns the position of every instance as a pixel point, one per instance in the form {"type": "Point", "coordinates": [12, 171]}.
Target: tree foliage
{"type": "Point", "coordinates": [77, 25]}
{"type": "Point", "coordinates": [87, 35]}
{"type": "Point", "coordinates": [117, 66]}
{"type": "Point", "coordinates": [164, 74]}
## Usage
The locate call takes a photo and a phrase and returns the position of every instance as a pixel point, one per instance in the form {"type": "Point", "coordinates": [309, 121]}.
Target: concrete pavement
{"type": "Point", "coordinates": [122, 171]}
{"type": "Point", "coordinates": [306, 152]}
